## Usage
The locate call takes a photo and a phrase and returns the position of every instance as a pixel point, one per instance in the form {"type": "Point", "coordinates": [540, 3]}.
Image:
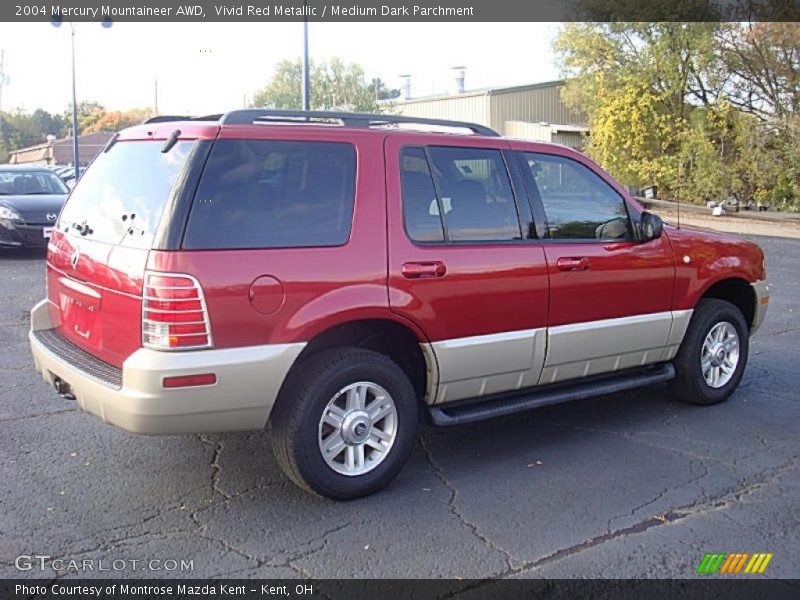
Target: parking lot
{"type": "Point", "coordinates": [629, 485]}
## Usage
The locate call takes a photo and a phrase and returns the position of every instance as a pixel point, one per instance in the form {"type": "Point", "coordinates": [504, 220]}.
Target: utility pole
{"type": "Point", "coordinates": [75, 158]}
{"type": "Point", "coordinates": [3, 77]}
{"type": "Point", "coordinates": [56, 22]}
{"type": "Point", "coordinates": [306, 84]}
{"type": "Point", "coordinates": [3, 81]}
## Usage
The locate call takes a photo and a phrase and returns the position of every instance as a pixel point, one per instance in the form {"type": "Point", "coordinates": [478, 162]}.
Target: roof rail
{"type": "Point", "coordinates": [347, 119]}
{"type": "Point", "coordinates": [171, 118]}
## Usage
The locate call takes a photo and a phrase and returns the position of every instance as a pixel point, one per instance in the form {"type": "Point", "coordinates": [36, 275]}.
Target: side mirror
{"type": "Point", "coordinates": [651, 226]}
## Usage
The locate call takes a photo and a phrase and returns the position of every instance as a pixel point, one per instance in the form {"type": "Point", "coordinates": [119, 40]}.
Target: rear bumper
{"type": "Point", "coordinates": [761, 291]}
{"type": "Point", "coordinates": [248, 382]}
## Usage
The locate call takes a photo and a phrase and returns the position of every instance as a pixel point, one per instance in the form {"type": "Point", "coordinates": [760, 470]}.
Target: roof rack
{"type": "Point", "coordinates": [347, 119]}
{"type": "Point", "coordinates": [170, 118]}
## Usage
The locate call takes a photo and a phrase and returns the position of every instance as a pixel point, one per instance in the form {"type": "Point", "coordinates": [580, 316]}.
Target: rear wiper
{"type": "Point", "coordinates": [131, 229]}
{"type": "Point", "coordinates": [83, 228]}
{"type": "Point", "coordinates": [111, 143]}
{"type": "Point", "coordinates": [171, 141]}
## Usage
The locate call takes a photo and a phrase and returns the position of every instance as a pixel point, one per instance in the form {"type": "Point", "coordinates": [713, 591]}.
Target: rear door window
{"type": "Point", "coordinates": [420, 206]}
{"type": "Point", "coordinates": [120, 198]}
{"type": "Point", "coordinates": [467, 191]}
{"type": "Point", "coordinates": [274, 194]}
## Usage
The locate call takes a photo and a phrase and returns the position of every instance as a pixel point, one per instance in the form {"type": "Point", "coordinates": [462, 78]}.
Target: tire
{"type": "Point", "coordinates": [692, 361]}
{"type": "Point", "coordinates": [312, 400]}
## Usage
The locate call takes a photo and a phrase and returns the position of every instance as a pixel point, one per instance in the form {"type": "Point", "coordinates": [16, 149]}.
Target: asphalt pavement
{"type": "Point", "coordinates": [627, 485]}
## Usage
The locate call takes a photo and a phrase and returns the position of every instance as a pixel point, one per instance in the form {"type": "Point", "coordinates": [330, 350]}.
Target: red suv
{"type": "Point", "coordinates": [342, 275]}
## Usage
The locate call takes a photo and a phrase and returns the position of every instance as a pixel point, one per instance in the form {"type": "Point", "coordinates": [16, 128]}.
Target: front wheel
{"type": "Point", "coordinates": [712, 357]}
{"type": "Point", "coordinates": [345, 423]}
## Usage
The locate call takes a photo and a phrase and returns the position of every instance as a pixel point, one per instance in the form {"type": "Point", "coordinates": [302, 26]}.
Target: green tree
{"type": "Point", "coordinates": [640, 84]}
{"type": "Point", "coordinates": [382, 91]}
{"type": "Point", "coordinates": [763, 60]}
{"type": "Point", "coordinates": [116, 120]}
{"type": "Point", "coordinates": [89, 112]}
{"type": "Point", "coordinates": [335, 85]}
{"type": "Point", "coordinates": [701, 109]}
{"type": "Point", "coordinates": [19, 129]}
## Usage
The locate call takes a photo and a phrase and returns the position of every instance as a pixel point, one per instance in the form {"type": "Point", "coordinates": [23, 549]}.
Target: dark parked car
{"type": "Point", "coordinates": [67, 174]}
{"type": "Point", "coordinates": [30, 199]}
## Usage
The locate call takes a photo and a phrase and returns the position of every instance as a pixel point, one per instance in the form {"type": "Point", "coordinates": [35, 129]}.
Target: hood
{"type": "Point", "coordinates": [35, 208]}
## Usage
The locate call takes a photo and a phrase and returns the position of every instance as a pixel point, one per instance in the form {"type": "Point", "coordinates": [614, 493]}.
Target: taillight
{"type": "Point", "coordinates": [174, 313]}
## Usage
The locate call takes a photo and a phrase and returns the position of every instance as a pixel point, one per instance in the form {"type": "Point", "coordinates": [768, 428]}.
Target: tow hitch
{"type": "Point", "coordinates": [63, 389]}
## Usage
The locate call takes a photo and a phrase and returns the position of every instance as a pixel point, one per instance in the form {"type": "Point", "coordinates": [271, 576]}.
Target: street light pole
{"type": "Point", "coordinates": [56, 22]}
{"type": "Point", "coordinates": [75, 159]}
{"type": "Point", "coordinates": [306, 84]}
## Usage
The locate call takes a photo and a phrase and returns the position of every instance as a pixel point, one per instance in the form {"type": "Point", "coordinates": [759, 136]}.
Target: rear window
{"type": "Point", "coordinates": [120, 198]}
{"type": "Point", "coordinates": [274, 194]}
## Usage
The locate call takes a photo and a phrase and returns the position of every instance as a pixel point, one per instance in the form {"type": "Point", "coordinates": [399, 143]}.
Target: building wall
{"type": "Point", "coordinates": [89, 146]}
{"type": "Point", "coordinates": [528, 131]}
{"type": "Point", "coordinates": [543, 133]}
{"type": "Point", "coordinates": [573, 139]}
{"type": "Point", "coordinates": [59, 152]}
{"type": "Point", "coordinates": [534, 104]}
{"type": "Point", "coordinates": [528, 107]}
{"type": "Point", "coordinates": [466, 107]}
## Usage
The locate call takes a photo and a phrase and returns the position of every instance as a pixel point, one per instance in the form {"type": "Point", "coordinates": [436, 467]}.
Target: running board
{"type": "Point", "coordinates": [507, 405]}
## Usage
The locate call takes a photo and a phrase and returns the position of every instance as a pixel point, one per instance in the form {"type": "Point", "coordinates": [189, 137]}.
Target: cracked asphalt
{"type": "Point", "coordinates": [626, 485]}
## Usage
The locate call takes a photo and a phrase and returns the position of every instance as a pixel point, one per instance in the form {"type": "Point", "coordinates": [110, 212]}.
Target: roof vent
{"type": "Point", "coordinates": [458, 79]}
{"type": "Point", "coordinates": [405, 87]}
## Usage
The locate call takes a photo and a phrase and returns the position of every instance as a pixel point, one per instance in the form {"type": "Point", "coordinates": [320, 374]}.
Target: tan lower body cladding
{"type": "Point", "coordinates": [490, 364]}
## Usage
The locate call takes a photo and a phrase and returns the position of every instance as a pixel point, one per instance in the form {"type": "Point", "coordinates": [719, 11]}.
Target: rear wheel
{"type": "Point", "coordinates": [345, 423]}
{"type": "Point", "coordinates": [712, 357]}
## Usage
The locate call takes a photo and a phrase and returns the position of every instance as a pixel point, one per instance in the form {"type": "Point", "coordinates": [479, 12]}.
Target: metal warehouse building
{"type": "Point", "coordinates": [59, 152]}
{"type": "Point", "coordinates": [533, 112]}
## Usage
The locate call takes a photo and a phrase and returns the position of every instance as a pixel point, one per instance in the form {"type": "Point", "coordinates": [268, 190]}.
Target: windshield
{"type": "Point", "coordinates": [120, 198]}
{"type": "Point", "coordinates": [30, 183]}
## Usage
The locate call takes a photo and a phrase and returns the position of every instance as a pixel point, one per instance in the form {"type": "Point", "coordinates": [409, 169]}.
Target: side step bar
{"type": "Point", "coordinates": [478, 411]}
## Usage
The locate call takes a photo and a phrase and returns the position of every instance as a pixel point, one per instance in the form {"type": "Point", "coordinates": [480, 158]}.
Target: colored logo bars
{"type": "Point", "coordinates": [734, 563]}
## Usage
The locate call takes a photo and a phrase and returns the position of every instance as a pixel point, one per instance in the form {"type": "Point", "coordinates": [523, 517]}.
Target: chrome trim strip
{"type": "Point", "coordinates": [169, 287]}
{"type": "Point", "coordinates": [203, 307]}
{"type": "Point", "coordinates": [163, 310]}
{"type": "Point", "coordinates": [97, 285]}
{"type": "Point", "coordinates": [174, 323]}
{"type": "Point", "coordinates": [171, 299]}
{"type": "Point", "coordinates": [78, 287]}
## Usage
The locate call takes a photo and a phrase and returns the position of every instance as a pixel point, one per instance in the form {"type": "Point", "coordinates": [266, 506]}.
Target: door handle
{"type": "Point", "coordinates": [423, 270]}
{"type": "Point", "coordinates": [573, 263]}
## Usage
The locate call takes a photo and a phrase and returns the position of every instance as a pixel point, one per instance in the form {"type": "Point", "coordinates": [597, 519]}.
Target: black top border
{"type": "Point", "coordinates": [402, 10]}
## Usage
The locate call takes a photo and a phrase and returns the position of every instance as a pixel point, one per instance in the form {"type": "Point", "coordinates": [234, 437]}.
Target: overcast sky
{"type": "Point", "coordinates": [211, 67]}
